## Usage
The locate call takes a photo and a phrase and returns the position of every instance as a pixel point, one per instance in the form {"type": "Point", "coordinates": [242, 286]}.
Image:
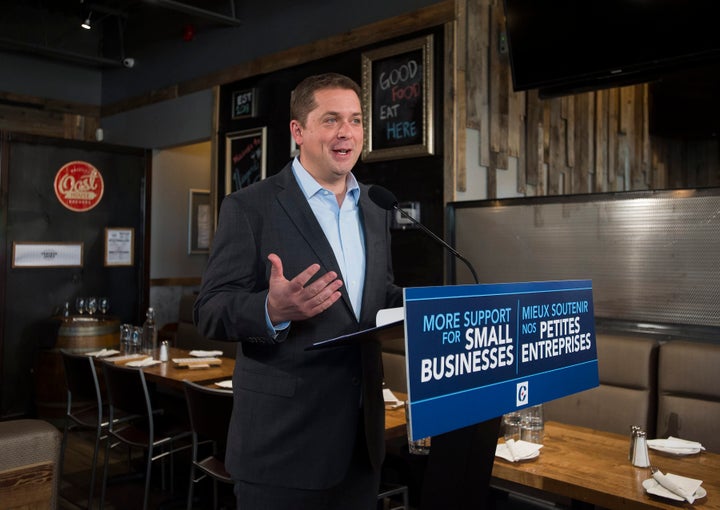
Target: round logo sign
{"type": "Point", "coordinates": [79, 186]}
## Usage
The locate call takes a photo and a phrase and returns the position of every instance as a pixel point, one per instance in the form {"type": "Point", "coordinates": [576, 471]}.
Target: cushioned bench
{"type": "Point", "coordinates": [188, 337]}
{"type": "Point", "coordinates": [29, 455]}
{"type": "Point", "coordinates": [627, 369]}
{"type": "Point", "coordinates": [689, 392]}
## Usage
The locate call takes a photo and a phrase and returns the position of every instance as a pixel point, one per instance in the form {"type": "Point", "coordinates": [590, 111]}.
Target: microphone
{"type": "Point", "coordinates": [384, 198]}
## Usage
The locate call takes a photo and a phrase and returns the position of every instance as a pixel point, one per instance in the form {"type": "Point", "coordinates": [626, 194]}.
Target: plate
{"type": "Point", "coordinates": [653, 487]}
{"type": "Point", "coordinates": [675, 451]}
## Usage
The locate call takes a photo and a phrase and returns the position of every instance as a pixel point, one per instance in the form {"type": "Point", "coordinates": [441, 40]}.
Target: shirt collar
{"type": "Point", "coordinates": [310, 186]}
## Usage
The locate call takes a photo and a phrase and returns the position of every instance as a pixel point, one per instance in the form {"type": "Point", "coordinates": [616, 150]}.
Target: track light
{"type": "Point", "coordinates": [86, 24]}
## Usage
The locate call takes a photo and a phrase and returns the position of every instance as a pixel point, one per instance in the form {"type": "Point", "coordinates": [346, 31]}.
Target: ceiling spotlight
{"type": "Point", "coordinates": [86, 24]}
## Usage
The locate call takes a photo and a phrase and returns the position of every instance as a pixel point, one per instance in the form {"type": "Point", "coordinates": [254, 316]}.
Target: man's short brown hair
{"type": "Point", "coordinates": [302, 101]}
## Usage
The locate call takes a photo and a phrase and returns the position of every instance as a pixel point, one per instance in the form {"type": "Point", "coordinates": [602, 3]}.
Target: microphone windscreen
{"type": "Point", "coordinates": [382, 197]}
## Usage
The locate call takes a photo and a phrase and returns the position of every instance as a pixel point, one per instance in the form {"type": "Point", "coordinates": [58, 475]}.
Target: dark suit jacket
{"type": "Point", "coordinates": [296, 412]}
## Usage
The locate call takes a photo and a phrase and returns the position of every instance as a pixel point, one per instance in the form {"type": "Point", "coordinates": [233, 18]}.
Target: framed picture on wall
{"type": "Point", "coordinates": [39, 254]}
{"type": "Point", "coordinates": [119, 246]}
{"type": "Point", "coordinates": [397, 84]}
{"type": "Point", "coordinates": [199, 221]}
{"type": "Point", "coordinates": [245, 157]}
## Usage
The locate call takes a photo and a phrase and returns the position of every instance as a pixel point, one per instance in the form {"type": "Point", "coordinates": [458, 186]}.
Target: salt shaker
{"type": "Point", "coordinates": [164, 351]}
{"type": "Point", "coordinates": [641, 458]}
{"type": "Point", "coordinates": [633, 436]}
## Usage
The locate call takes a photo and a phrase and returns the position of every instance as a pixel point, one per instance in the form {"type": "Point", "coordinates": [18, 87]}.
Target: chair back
{"type": "Point", "coordinates": [81, 377]}
{"type": "Point", "coordinates": [210, 410]}
{"type": "Point", "coordinates": [127, 390]}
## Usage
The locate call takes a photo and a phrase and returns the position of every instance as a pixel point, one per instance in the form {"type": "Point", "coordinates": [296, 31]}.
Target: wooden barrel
{"type": "Point", "coordinates": [76, 334]}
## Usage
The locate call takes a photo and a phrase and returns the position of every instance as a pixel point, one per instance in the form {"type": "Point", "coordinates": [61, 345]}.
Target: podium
{"type": "Point", "coordinates": [475, 352]}
{"type": "Point", "coordinates": [459, 466]}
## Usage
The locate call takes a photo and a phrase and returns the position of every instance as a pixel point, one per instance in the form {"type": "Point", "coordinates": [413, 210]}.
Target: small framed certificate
{"type": "Point", "coordinates": [119, 246]}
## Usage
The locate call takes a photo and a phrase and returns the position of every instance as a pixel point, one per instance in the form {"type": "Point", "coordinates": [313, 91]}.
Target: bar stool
{"type": "Point", "coordinates": [128, 393]}
{"type": "Point", "coordinates": [210, 411]}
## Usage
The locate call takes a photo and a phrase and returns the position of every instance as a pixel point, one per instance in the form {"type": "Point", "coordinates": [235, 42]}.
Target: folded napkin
{"type": "Point", "coordinates": [676, 485]}
{"type": "Point", "coordinates": [675, 443]}
{"type": "Point", "coordinates": [391, 401]}
{"type": "Point", "coordinates": [514, 451]}
{"type": "Point", "coordinates": [102, 353]}
{"type": "Point", "coordinates": [146, 362]}
{"type": "Point", "coordinates": [224, 384]}
{"type": "Point", "coordinates": [205, 354]}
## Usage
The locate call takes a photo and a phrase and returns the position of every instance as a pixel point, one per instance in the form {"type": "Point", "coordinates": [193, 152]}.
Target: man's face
{"type": "Point", "coordinates": [332, 138]}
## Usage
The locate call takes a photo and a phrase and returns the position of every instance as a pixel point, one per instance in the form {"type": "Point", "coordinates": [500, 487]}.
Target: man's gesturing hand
{"type": "Point", "coordinates": [291, 300]}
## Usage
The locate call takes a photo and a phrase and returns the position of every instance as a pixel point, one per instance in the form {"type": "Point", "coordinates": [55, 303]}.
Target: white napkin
{"type": "Point", "coordinates": [103, 352]}
{"type": "Point", "coordinates": [224, 384]}
{"type": "Point", "coordinates": [205, 354]}
{"type": "Point", "coordinates": [675, 484]}
{"type": "Point", "coordinates": [146, 362]}
{"type": "Point", "coordinates": [391, 401]}
{"type": "Point", "coordinates": [675, 443]}
{"type": "Point", "coordinates": [514, 451]}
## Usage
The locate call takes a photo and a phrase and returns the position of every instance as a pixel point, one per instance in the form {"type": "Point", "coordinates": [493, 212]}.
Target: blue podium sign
{"type": "Point", "coordinates": [475, 352]}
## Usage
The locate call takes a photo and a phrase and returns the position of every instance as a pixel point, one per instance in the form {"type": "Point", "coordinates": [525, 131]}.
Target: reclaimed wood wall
{"type": "Point", "coordinates": [590, 142]}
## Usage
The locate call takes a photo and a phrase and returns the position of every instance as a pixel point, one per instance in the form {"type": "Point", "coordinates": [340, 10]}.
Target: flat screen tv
{"type": "Point", "coordinates": [567, 46]}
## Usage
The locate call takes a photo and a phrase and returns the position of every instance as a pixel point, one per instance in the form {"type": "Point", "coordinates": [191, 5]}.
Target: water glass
{"type": "Point", "coordinates": [104, 305]}
{"type": "Point", "coordinates": [91, 305]}
{"type": "Point", "coordinates": [511, 425]}
{"type": "Point", "coordinates": [80, 305]}
{"type": "Point", "coordinates": [419, 446]}
{"type": "Point", "coordinates": [532, 426]}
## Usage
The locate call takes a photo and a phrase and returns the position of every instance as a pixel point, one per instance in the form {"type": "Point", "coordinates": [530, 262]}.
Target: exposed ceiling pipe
{"type": "Point", "coordinates": [196, 11]}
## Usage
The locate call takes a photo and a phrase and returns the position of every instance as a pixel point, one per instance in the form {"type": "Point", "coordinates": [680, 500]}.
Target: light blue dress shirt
{"type": "Point", "coordinates": [342, 227]}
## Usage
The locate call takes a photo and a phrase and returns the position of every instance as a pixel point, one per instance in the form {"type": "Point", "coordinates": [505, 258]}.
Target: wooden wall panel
{"type": "Point", "coordinates": [596, 141]}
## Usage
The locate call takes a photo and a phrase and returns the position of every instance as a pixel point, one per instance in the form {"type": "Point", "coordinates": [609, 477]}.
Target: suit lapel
{"type": "Point", "coordinates": [295, 205]}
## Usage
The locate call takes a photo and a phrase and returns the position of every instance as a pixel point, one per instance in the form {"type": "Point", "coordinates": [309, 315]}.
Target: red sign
{"type": "Point", "coordinates": [79, 186]}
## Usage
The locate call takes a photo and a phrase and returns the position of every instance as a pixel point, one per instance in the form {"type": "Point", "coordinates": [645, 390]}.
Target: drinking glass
{"type": "Point", "coordinates": [511, 425]}
{"type": "Point", "coordinates": [532, 426]}
{"type": "Point", "coordinates": [91, 305]}
{"type": "Point", "coordinates": [80, 305]}
{"type": "Point", "coordinates": [104, 305]}
{"type": "Point", "coordinates": [419, 446]}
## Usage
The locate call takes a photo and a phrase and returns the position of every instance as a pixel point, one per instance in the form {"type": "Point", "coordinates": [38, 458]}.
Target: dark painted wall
{"type": "Point", "coordinates": [33, 213]}
{"type": "Point", "coordinates": [417, 259]}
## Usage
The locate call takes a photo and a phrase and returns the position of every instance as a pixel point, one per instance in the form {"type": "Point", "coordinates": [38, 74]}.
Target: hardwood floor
{"type": "Point", "coordinates": [124, 492]}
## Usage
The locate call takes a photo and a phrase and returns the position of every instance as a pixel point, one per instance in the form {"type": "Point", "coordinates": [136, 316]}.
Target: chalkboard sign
{"type": "Point", "coordinates": [244, 158]}
{"type": "Point", "coordinates": [397, 100]}
{"type": "Point", "coordinates": [244, 103]}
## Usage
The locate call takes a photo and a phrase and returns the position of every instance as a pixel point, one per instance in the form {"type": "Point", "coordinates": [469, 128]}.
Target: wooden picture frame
{"type": "Point", "coordinates": [199, 221]}
{"type": "Point", "coordinates": [398, 93]}
{"type": "Point", "coordinates": [41, 254]}
{"type": "Point", "coordinates": [119, 246]}
{"type": "Point", "coordinates": [245, 158]}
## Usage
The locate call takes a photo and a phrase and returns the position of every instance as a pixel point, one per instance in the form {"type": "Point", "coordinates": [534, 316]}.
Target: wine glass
{"type": "Point", "coordinates": [104, 305]}
{"type": "Point", "coordinates": [91, 305]}
{"type": "Point", "coordinates": [80, 305]}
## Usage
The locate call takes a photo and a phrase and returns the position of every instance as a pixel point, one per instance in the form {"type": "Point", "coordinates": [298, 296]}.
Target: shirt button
{"type": "Point", "coordinates": [355, 381]}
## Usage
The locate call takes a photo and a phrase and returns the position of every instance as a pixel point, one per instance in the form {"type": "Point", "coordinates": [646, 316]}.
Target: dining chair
{"type": "Point", "coordinates": [210, 411]}
{"type": "Point", "coordinates": [128, 393]}
{"type": "Point", "coordinates": [85, 407]}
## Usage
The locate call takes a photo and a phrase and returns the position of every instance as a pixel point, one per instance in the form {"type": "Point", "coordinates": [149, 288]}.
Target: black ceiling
{"type": "Point", "coordinates": [120, 28]}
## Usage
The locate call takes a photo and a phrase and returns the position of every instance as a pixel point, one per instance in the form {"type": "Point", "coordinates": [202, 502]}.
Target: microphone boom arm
{"type": "Point", "coordinates": [438, 239]}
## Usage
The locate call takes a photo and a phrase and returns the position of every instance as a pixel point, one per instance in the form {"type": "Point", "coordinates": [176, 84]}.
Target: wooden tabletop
{"type": "Point", "coordinates": [395, 424]}
{"type": "Point", "coordinates": [168, 374]}
{"type": "Point", "coordinates": [592, 466]}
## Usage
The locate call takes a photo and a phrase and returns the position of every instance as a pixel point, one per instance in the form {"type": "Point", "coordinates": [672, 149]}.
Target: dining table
{"type": "Point", "coordinates": [591, 467]}
{"type": "Point", "coordinates": [171, 375]}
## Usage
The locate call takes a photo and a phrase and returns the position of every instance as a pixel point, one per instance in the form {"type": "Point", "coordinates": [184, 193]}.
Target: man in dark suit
{"type": "Point", "coordinates": [303, 256]}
